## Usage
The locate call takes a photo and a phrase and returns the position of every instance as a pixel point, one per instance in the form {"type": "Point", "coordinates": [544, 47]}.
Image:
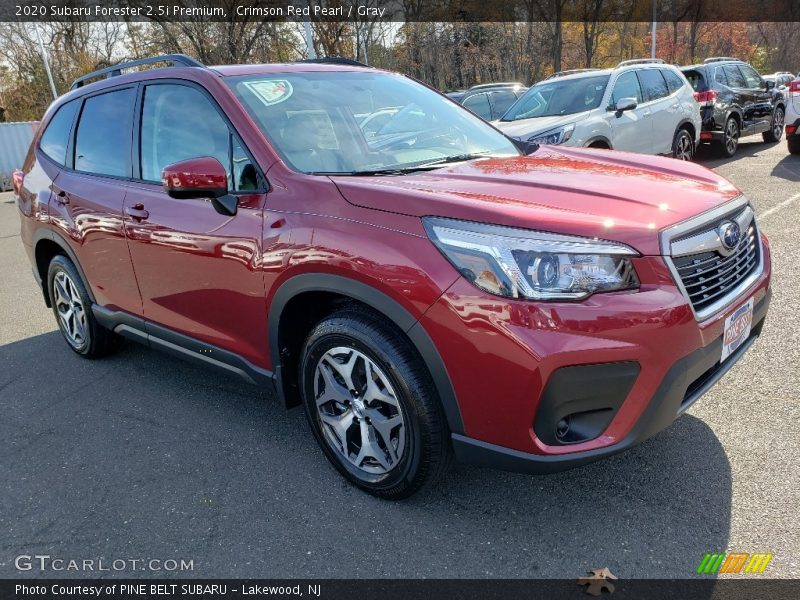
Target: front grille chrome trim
{"type": "Point", "coordinates": [698, 235]}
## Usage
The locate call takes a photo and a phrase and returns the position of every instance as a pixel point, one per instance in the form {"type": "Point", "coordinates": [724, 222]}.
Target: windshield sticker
{"type": "Point", "coordinates": [271, 91]}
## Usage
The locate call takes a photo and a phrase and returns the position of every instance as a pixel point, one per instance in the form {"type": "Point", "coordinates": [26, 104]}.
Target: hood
{"type": "Point", "coordinates": [610, 195]}
{"type": "Point", "coordinates": [525, 128]}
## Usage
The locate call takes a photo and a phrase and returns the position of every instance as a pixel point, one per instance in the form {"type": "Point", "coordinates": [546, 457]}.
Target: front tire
{"type": "Point", "coordinates": [372, 405]}
{"type": "Point", "coordinates": [683, 145]}
{"type": "Point", "coordinates": [776, 133]}
{"type": "Point", "coordinates": [72, 308]}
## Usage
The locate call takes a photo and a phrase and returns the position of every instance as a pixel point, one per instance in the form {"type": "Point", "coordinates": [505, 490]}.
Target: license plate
{"type": "Point", "coordinates": [737, 329]}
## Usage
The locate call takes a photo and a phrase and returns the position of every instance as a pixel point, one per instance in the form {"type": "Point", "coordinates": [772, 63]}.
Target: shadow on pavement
{"type": "Point", "coordinates": [142, 456]}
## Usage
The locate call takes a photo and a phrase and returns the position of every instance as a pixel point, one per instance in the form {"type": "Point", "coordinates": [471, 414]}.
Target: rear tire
{"type": "Point", "coordinates": [793, 144]}
{"type": "Point", "coordinates": [776, 133]}
{"type": "Point", "coordinates": [730, 138]}
{"type": "Point", "coordinates": [372, 405]}
{"type": "Point", "coordinates": [72, 308]}
{"type": "Point", "coordinates": [683, 145]}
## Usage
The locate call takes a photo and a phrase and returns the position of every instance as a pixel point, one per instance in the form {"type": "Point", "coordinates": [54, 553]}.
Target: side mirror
{"type": "Point", "coordinates": [525, 146]}
{"type": "Point", "coordinates": [202, 177]}
{"type": "Point", "coordinates": [769, 85]}
{"type": "Point", "coordinates": [624, 104]}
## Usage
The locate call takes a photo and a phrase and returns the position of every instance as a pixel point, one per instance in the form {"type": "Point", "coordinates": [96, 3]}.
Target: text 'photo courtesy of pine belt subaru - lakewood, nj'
{"type": "Point", "coordinates": [435, 291]}
{"type": "Point", "coordinates": [641, 105]}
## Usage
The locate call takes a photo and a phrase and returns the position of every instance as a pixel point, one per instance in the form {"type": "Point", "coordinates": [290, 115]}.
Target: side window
{"type": "Point", "coordinates": [674, 81]}
{"type": "Point", "coordinates": [502, 102]}
{"type": "Point", "coordinates": [751, 77]}
{"type": "Point", "coordinates": [735, 78]}
{"type": "Point", "coordinates": [719, 76]}
{"type": "Point", "coordinates": [103, 139]}
{"type": "Point", "coordinates": [55, 138]}
{"type": "Point", "coordinates": [653, 85]}
{"type": "Point", "coordinates": [627, 86]}
{"type": "Point", "coordinates": [479, 104]}
{"type": "Point", "coordinates": [180, 122]}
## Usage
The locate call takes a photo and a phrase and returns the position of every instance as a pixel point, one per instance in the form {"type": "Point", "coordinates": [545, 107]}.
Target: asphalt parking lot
{"type": "Point", "coordinates": [142, 456]}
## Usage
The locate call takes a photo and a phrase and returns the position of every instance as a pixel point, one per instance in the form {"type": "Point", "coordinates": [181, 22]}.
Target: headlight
{"type": "Point", "coordinates": [518, 263]}
{"type": "Point", "coordinates": [554, 136]}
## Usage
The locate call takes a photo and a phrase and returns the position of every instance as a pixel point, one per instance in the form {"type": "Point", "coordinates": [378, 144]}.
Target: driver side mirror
{"type": "Point", "coordinates": [769, 85]}
{"type": "Point", "coordinates": [202, 177]}
{"type": "Point", "coordinates": [624, 104]}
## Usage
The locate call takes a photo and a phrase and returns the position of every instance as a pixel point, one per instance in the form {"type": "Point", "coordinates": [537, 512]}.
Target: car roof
{"type": "Point", "coordinates": [296, 67]}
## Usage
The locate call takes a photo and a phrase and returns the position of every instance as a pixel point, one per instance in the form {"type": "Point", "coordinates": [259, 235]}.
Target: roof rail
{"type": "Point", "coordinates": [114, 70]}
{"type": "Point", "coordinates": [335, 60]}
{"type": "Point", "coordinates": [483, 86]}
{"type": "Point", "coordinates": [714, 59]}
{"type": "Point", "coordinates": [569, 72]}
{"type": "Point", "coordinates": [640, 61]}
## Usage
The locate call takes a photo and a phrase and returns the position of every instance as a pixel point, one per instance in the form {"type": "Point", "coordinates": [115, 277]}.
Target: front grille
{"type": "Point", "coordinates": [709, 276]}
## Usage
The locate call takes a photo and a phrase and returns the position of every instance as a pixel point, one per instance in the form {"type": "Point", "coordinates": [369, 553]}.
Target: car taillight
{"type": "Point", "coordinates": [706, 98]}
{"type": "Point", "coordinates": [16, 181]}
{"type": "Point", "coordinates": [794, 87]}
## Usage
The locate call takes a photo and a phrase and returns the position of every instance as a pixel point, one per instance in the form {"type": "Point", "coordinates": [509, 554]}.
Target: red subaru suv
{"type": "Point", "coordinates": [370, 249]}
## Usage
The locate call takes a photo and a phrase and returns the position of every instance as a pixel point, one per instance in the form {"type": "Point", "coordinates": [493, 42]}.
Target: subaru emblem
{"type": "Point", "coordinates": [729, 234]}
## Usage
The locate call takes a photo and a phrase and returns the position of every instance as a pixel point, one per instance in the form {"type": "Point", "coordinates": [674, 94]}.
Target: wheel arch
{"type": "Point", "coordinates": [47, 244]}
{"type": "Point", "coordinates": [599, 139]}
{"type": "Point", "coordinates": [320, 293]}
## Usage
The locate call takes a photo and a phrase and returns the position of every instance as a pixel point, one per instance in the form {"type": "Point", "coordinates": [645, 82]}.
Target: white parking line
{"type": "Point", "coordinates": [779, 206]}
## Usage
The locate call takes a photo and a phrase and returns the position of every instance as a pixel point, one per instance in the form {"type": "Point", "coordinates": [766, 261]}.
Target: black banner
{"type": "Point", "coordinates": [341, 589]}
{"type": "Point", "coordinates": [402, 10]}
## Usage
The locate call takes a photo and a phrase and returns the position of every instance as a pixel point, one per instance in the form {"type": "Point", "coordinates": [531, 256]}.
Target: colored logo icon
{"type": "Point", "coordinates": [733, 562]}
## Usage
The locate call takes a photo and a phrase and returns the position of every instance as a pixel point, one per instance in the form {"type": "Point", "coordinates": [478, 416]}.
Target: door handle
{"type": "Point", "coordinates": [137, 212]}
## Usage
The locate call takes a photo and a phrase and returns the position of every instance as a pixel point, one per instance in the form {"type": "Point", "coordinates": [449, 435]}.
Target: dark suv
{"type": "Point", "coordinates": [735, 101]}
{"type": "Point", "coordinates": [423, 293]}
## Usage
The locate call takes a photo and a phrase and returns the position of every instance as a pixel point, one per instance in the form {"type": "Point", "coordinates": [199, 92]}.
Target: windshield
{"type": "Point", "coordinates": [355, 122]}
{"type": "Point", "coordinates": [559, 97]}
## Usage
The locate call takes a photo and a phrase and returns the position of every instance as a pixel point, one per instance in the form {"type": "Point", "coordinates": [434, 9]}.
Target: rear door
{"type": "Point", "coordinates": [665, 109]}
{"type": "Point", "coordinates": [745, 97]}
{"type": "Point", "coordinates": [631, 129]}
{"type": "Point", "coordinates": [198, 270]}
{"type": "Point", "coordinates": [88, 194]}
{"type": "Point", "coordinates": [762, 98]}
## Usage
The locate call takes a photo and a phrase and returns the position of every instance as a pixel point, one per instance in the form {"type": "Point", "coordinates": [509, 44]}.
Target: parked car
{"type": "Point", "coordinates": [735, 101]}
{"type": "Point", "coordinates": [643, 106]}
{"type": "Point", "coordinates": [490, 101]}
{"type": "Point", "coordinates": [793, 117]}
{"type": "Point", "coordinates": [781, 78]}
{"type": "Point", "coordinates": [442, 295]}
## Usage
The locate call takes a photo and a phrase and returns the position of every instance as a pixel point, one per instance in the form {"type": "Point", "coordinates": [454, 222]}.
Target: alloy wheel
{"type": "Point", "coordinates": [358, 410]}
{"type": "Point", "coordinates": [777, 124]}
{"type": "Point", "coordinates": [683, 149]}
{"type": "Point", "coordinates": [70, 308]}
{"type": "Point", "coordinates": [731, 136]}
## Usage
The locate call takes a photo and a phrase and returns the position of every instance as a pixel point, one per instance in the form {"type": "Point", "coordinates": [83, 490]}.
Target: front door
{"type": "Point", "coordinates": [632, 129]}
{"type": "Point", "coordinates": [198, 270]}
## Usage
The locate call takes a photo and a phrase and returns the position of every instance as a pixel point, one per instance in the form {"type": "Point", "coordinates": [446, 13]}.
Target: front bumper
{"type": "Point", "coordinates": [501, 356]}
{"type": "Point", "coordinates": [684, 384]}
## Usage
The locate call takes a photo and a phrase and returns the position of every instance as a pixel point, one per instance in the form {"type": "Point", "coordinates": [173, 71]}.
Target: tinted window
{"type": "Point", "coordinates": [719, 76]}
{"type": "Point", "coordinates": [653, 84]}
{"type": "Point", "coordinates": [735, 78]}
{"type": "Point", "coordinates": [502, 101]}
{"type": "Point", "coordinates": [674, 81]}
{"type": "Point", "coordinates": [696, 80]}
{"type": "Point", "coordinates": [56, 137]}
{"type": "Point", "coordinates": [479, 104]}
{"type": "Point", "coordinates": [751, 77]}
{"type": "Point", "coordinates": [180, 122]}
{"type": "Point", "coordinates": [102, 143]}
{"type": "Point", "coordinates": [559, 96]}
{"type": "Point", "coordinates": [627, 86]}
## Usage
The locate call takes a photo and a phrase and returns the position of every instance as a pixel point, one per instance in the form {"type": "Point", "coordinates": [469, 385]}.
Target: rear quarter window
{"type": "Point", "coordinates": [55, 138]}
{"type": "Point", "coordinates": [674, 81]}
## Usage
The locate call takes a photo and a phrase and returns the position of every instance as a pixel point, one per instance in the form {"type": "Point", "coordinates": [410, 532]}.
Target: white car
{"type": "Point", "coordinates": [793, 117]}
{"type": "Point", "coordinates": [644, 106]}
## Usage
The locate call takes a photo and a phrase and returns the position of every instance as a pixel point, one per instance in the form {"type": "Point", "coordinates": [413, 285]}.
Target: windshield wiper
{"type": "Point", "coordinates": [454, 159]}
{"type": "Point", "coordinates": [405, 170]}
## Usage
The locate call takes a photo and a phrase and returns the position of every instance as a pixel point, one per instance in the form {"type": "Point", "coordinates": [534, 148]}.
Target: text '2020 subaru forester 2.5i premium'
{"type": "Point", "coordinates": [426, 293]}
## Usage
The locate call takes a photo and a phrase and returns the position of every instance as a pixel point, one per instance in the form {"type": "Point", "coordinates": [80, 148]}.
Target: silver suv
{"type": "Point", "coordinates": [644, 106]}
